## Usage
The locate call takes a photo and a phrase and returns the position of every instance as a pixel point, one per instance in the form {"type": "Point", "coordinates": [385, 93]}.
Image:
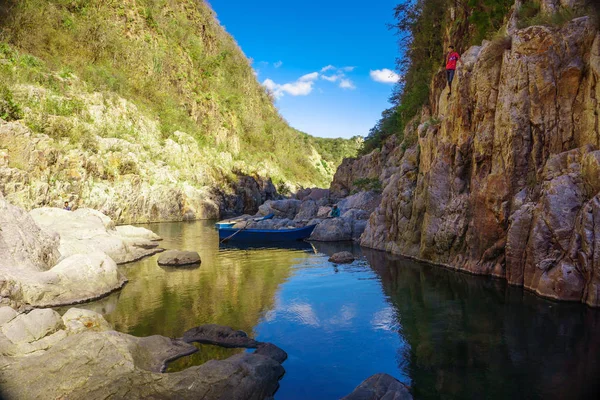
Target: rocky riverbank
{"type": "Point", "coordinates": [46, 356]}
{"type": "Point", "coordinates": [313, 207]}
{"type": "Point", "coordinates": [52, 257]}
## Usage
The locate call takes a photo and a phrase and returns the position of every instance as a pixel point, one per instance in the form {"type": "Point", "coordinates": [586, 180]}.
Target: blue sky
{"type": "Point", "coordinates": [293, 42]}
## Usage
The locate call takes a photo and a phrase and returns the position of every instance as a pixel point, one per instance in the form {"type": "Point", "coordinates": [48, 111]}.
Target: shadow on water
{"type": "Point", "coordinates": [476, 337]}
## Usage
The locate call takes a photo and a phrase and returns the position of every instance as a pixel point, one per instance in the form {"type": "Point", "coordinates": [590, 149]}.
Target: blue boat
{"type": "Point", "coordinates": [265, 235]}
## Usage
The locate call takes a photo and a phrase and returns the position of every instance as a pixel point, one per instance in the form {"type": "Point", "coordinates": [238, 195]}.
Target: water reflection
{"type": "Point", "coordinates": [448, 335]}
{"type": "Point", "coordinates": [476, 337]}
{"type": "Point", "coordinates": [231, 287]}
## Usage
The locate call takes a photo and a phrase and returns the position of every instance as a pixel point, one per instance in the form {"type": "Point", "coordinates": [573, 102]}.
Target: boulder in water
{"type": "Point", "coordinates": [178, 258]}
{"type": "Point", "coordinates": [380, 386]}
{"type": "Point", "coordinates": [343, 257]}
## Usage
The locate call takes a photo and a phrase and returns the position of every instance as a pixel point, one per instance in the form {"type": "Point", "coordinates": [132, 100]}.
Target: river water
{"type": "Point", "coordinates": [446, 334]}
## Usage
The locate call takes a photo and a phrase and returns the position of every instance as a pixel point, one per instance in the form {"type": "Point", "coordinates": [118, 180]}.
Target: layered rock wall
{"type": "Point", "coordinates": [505, 178]}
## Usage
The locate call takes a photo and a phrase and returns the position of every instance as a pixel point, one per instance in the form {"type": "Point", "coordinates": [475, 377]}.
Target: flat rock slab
{"type": "Point", "coordinates": [177, 258]}
{"type": "Point", "coordinates": [93, 362]}
{"type": "Point", "coordinates": [33, 326]}
{"type": "Point", "coordinates": [220, 335]}
{"type": "Point", "coordinates": [380, 387]}
{"type": "Point", "coordinates": [343, 257]}
{"type": "Point", "coordinates": [225, 336]}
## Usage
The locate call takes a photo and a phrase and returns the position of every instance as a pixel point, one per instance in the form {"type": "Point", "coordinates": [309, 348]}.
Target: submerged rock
{"type": "Point", "coordinates": [343, 257]}
{"type": "Point", "coordinates": [380, 387]}
{"type": "Point", "coordinates": [97, 363]}
{"type": "Point", "coordinates": [177, 258]}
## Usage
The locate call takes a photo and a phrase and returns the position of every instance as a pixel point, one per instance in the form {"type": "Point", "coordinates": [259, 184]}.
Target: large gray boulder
{"type": "Point", "coordinates": [367, 201]}
{"type": "Point", "coordinates": [287, 208]}
{"type": "Point", "coordinates": [380, 387]}
{"type": "Point", "coordinates": [332, 230]}
{"type": "Point", "coordinates": [35, 272]}
{"type": "Point", "coordinates": [356, 213]}
{"type": "Point", "coordinates": [308, 210]}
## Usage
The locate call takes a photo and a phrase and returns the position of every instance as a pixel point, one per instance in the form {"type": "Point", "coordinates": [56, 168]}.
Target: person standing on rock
{"type": "Point", "coordinates": [335, 212]}
{"type": "Point", "coordinates": [67, 206]}
{"type": "Point", "coordinates": [451, 60]}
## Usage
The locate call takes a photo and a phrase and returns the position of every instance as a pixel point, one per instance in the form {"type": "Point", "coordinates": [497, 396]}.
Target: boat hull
{"type": "Point", "coordinates": [266, 235]}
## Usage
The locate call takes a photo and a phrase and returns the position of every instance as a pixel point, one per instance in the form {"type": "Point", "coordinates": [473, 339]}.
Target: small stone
{"type": "Point", "coordinates": [177, 258]}
{"type": "Point", "coordinates": [343, 257]}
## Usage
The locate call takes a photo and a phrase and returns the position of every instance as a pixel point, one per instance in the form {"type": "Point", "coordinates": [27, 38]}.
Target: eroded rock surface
{"type": "Point", "coordinates": [95, 362]}
{"type": "Point", "coordinates": [84, 230]}
{"type": "Point", "coordinates": [504, 178]}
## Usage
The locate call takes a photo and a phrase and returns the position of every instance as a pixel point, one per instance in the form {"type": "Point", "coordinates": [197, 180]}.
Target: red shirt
{"type": "Point", "coordinates": [451, 60]}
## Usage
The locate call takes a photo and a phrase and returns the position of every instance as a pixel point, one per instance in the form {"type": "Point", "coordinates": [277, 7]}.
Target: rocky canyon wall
{"type": "Point", "coordinates": [505, 177]}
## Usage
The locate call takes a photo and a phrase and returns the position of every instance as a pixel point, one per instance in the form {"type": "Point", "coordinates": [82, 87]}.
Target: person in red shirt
{"type": "Point", "coordinates": [451, 60]}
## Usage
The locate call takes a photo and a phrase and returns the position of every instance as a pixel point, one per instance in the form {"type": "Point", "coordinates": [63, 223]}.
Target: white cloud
{"type": "Point", "coordinates": [384, 76]}
{"type": "Point", "coordinates": [269, 84]}
{"type": "Point", "coordinates": [309, 77]}
{"type": "Point", "coordinates": [278, 64]}
{"type": "Point", "coordinates": [302, 87]}
{"type": "Point", "coordinates": [331, 78]}
{"type": "Point", "coordinates": [327, 68]}
{"type": "Point", "coordinates": [299, 88]}
{"type": "Point", "coordinates": [348, 69]}
{"type": "Point", "coordinates": [347, 84]}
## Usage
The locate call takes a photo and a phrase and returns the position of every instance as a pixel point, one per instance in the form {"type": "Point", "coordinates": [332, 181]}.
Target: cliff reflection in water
{"type": "Point", "coordinates": [232, 286]}
{"type": "Point", "coordinates": [476, 337]}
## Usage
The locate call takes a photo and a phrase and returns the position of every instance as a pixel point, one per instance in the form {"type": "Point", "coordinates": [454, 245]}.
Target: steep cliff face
{"type": "Point", "coordinates": [146, 110]}
{"type": "Point", "coordinates": [505, 177]}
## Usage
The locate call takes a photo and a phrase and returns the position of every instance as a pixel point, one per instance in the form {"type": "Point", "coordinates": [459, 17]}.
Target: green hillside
{"type": "Point", "coordinates": [173, 62]}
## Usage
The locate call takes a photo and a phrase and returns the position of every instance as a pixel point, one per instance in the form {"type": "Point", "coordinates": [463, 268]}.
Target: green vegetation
{"type": "Point", "coordinates": [9, 109]}
{"type": "Point", "coordinates": [168, 57]}
{"type": "Point", "coordinates": [530, 14]}
{"type": "Point", "coordinates": [424, 28]}
{"type": "Point", "coordinates": [368, 184]}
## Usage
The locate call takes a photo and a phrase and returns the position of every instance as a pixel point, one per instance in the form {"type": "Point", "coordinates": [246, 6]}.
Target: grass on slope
{"type": "Point", "coordinates": [174, 61]}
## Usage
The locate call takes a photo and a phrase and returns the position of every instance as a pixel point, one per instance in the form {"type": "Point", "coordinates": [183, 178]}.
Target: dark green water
{"type": "Point", "coordinates": [446, 334]}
